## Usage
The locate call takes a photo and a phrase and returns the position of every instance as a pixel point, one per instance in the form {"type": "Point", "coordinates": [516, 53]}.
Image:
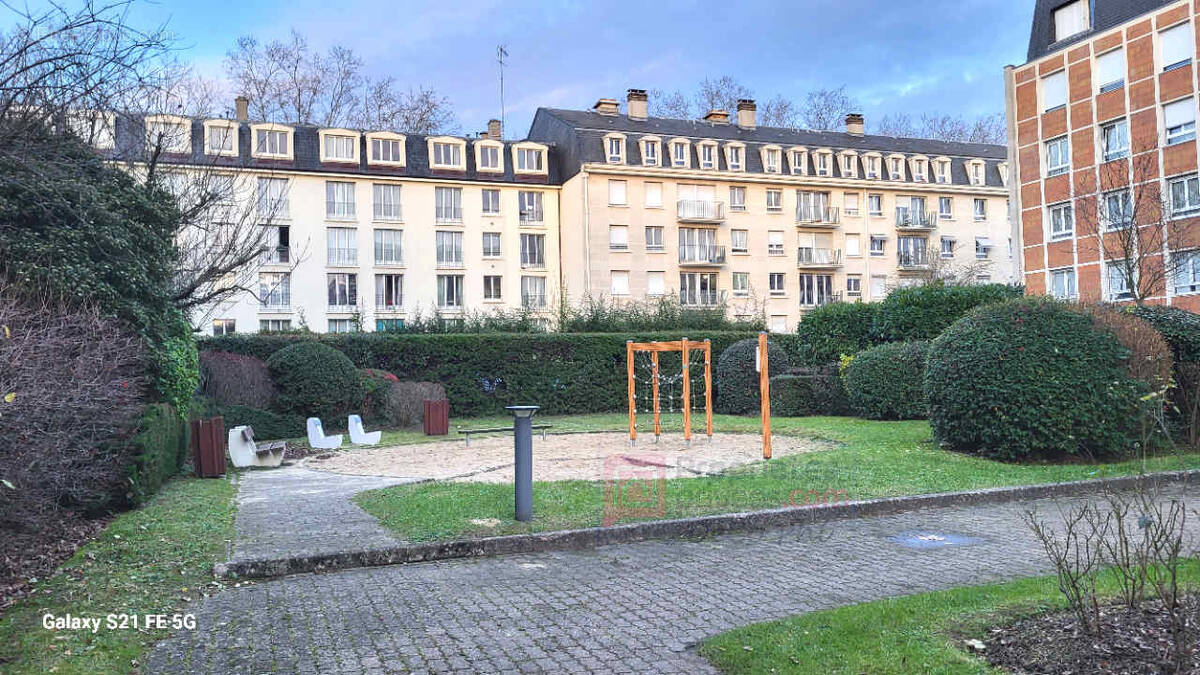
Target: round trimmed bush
{"type": "Point", "coordinates": [829, 331]}
{"type": "Point", "coordinates": [887, 382]}
{"type": "Point", "coordinates": [737, 380]}
{"type": "Point", "coordinates": [316, 380]}
{"type": "Point", "coordinates": [923, 312]}
{"type": "Point", "coordinates": [1032, 379]}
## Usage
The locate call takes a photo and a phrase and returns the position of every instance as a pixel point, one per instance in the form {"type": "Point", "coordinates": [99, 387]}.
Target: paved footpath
{"type": "Point", "coordinates": [637, 607]}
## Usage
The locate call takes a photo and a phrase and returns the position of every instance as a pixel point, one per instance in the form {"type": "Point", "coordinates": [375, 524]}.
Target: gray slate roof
{"type": "Point", "coordinates": [1106, 14]}
{"type": "Point", "coordinates": [578, 137]}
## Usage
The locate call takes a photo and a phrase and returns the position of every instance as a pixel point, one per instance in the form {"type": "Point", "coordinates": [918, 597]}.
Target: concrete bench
{"type": "Point", "coordinates": [498, 430]}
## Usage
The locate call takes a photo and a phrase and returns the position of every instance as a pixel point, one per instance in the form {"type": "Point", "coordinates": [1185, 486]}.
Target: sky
{"type": "Point", "coordinates": [894, 56]}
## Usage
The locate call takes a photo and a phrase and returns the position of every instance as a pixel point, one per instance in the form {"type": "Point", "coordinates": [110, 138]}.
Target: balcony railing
{"type": "Point", "coordinates": [273, 304]}
{"type": "Point", "coordinates": [907, 219]}
{"type": "Point", "coordinates": [531, 216]}
{"type": "Point", "coordinates": [701, 298]}
{"type": "Point", "coordinates": [342, 257]}
{"type": "Point", "coordinates": [701, 210]}
{"type": "Point", "coordinates": [391, 308]}
{"type": "Point", "coordinates": [278, 255]}
{"type": "Point", "coordinates": [450, 264]}
{"type": "Point", "coordinates": [913, 260]}
{"type": "Point", "coordinates": [533, 264]}
{"type": "Point", "coordinates": [533, 300]}
{"type": "Point", "coordinates": [808, 256]}
{"type": "Point", "coordinates": [701, 255]}
{"type": "Point", "coordinates": [342, 309]}
{"type": "Point", "coordinates": [820, 299]}
{"type": "Point", "coordinates": [816, 215]}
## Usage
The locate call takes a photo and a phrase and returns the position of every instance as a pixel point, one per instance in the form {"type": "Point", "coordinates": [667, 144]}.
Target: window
{"type": "Point", "coordinates": [735, 157]}
{"type": "Point", "coordinates": [388, 247]}
{"type": "Point", "coordinates": [656, 283]}
{"type": "Point", "coordinates": [533, 251]}
{"type": "Point", "coordinates": [654, 238]}
{"type": "Point", "coordinates": [1187, 272]}
{"type": "Point", "coordinates": [775, 242]}
{"type": "Point", "coordinates": [339, 148]}
{"type": "Point", "coordinates": [854, 286]}
{"type": "Point", "coordinates": [1110, 70]}
{"type": "Point", "coordinates": [774, 200]}
{"type": "Point", "coordinates": [778, 323]}
{"type": "Point", "coordinates": [918, 170]}
{"type": "Point", "coordinates": [447, 155]}
{"type": "Point", "coordinates": [616, 192]}
{"type": "Point", "coordinates": [799, 162]}
{"type": "Point", "coordinates": [708, 156]}
{"type": "Point", "coordinates": [775, 282]}
{"type": "Point", "coordinates": [224, 326]}
{"type": "Point", "coordinates": [341, 326]}
{"type": "Point", "coordinates": [339, 199]}
{"type": "Point", "coordinates": [386, 150]}
{"type": "Point", "coordinates": [872, 167]}
{"type": "Point", "coordinates": [1118, 210]}
{"type": "Point", "coordinates": [850, 202]}
{"type": "Point", "coordinates": [449, 249]}
{"type": "Point", "coordinates": [275, 289]}
{"type": "Point", "coordinates": [533, 292]}
{"type": "Point", "coordinates": [947, 247]}
{"type": "Point", "coordinates": [737, 199]}
{"type": "Point", "coordinates": [1071, 19]}
{"type": "Point", "coordinates": [771, 160]}
{"type": "Point", "coordinates": [618, 237]}
{"type": "Point", "coordinates": [1175, 46]}
{"type": "Point", "coordinates": [813, 207]}
{"type": "Point", "coordinates": [447, 204]}
{"type": "Point", "coordinates": [741, 283]}
{"type": "Point", "coordinates": [1179, 119]}
{"type": "Point", "coordinates": [853, 246]}
{"type": "Point", "coordinates": [341, 246]}
{"type": "Point", "coordinates": [274, 325]}
{"type": "Point", "coordinates": [491, 287]}
{"type": "Point", "coordinates": [278, 240]}
{"type": "Point", "coordinates": [679, 154]}
{"type": "Point", "coordinates": [619, 284]}
{"type": "Point", "coordinates": [877, 245]}
{"type": "Point", "coordinates": [1062, 222]}
{"type": "Point", "coordinates": [449, 290]}
{"type": "Point", "coordinates": [489, 157]}
{"type": "Point", "coordinates": [531, 159]}
{"type": "Point", "coordinates": [977, 173]}
{"type": "Point", "coordinates": [343, 290]}
{"type": "Point", "coordinates": [848, 166]}
{"type": "Point", "coordinates": [220, 139]}
{"type": "Point", "coordinates": [1185, 195]}
{"type": "Point", "coordinates": [878, 286]}
{"type": "Point", "coordinates": [1058, 156]}
{"type": "Point", "coordinates": [273, 198]}
{"type": "Point", "coordinates": [386, 199]}
{"type": "Point", "coordinates": [169, 136]}
{"type": "Point", "coordinates": [698, 289]}
{"type": "Point", "coordinates": [491, 244]}
{"type": "Point", "coordinates": [816, 289]}
{"type": "Point", "coordinates": [1115, 139]}
{"type": "Point", "coordinates": [942, 168]}
{"type": "Point", "coordinates": [654, 195]}
{"type": "Point", "coordinates": [1118, 285]}
{"type": "Point", "coordinates": [1054, 91]}
{"type": "Point", "coordinates": [491, 202]}
{"type": "Point", "coordinates": [822, 162]}
{"type": "Point", "coordinates": [271, 142]}
{"type": "Point", "coordinates": [531, 206]}
{"type": "Point", "coordinates": [983, 247]}
{"type": "Point", "coordinates": [1062, 284]}
{"type": "Point", "coordinates": [650, 153]}
{"type": "Point", "coordinates": [980, 209]}
{"type": "Point", "coordinates": [875, 205]}
{"type": "Point", "coordinates": [616, 150]}
{"type": "Point", "coordinates": [739, 241]}
{"type": "Point", "coordinates": [945, 207]}
{"type": "Point", "coordinates": [389, 325]}
{"type": "Point", "coordinates": [896, 168]}
{"type": "Point", "coordinates": [389, 291]}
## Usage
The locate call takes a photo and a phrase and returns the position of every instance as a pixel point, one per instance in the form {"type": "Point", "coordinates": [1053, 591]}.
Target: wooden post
{"type": "Point", "coordinates": [654, 370]}
{"type": "Point", "coordinates": [687, 395]}
{"type": "Point", "coordinates": [632, 399]}
{"type": "Point", "coordinates": [708, 388]}
{"type": "Point", "coordinates": [764, 389]}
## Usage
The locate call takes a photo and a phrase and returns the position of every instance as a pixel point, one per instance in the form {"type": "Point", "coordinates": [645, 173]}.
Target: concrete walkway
{"type": "Point", "coordinates": [638, 607]}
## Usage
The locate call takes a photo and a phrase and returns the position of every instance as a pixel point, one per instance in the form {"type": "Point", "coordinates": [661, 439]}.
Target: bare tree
{"type": "Point", "coordinates": [721, 93]}
{"type": "Point", "coordinates": [946, 271]}
{"type": "Point", "coordinates": [674, 105]}
{"type": "Point", "coordinates": [779, 112]}
{"type": "Point", "coordinates": [419, 111]}
{"type": "Point", "coordinates": [982, 129]}
{"type": "Point", "coordinates": [826, 109]}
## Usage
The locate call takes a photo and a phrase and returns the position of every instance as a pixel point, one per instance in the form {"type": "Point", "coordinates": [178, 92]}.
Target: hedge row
{"type": "Point", "coordinates": [482, 373]}
{"type": "Point", "coordinates": [159, 450]}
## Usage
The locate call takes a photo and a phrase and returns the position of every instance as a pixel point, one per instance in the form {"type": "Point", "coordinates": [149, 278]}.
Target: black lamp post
{"type": "Point", "coordinates": [523, 459]}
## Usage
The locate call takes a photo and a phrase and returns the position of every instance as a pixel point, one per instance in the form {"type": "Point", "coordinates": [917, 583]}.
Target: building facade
{"type": "Point", "coordinates": [767, 220]}
{"type": "Point", "coordinates": [1102, 136]}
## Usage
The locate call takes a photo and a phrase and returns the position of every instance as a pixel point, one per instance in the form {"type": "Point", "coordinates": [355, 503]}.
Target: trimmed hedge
{"type": "Point", "coordinates": [159, 449]}
{"type": "Point", "coordinates": [923, 312]}
{"type": "Point", "coordinates": [737, 379]}
{"type": "Point", "coordinates": [791, 396]}
{"type": "Point", "coordinates": [482, 373]}
{"type": "Point", "coordinates": [268, 425]}
{"type": "Point", "coordinates": [829, 331]}
{"type": "Point", "coordinates": [1032, 379]}
{"type": "Point", "coordinates": [315, 380]}
{"type": "Point", "coordinates": [810, 390]}
{"type": "Point", "coordinates": [1179, 327]}
{"type": "Point", "coordinates": [886, 382]}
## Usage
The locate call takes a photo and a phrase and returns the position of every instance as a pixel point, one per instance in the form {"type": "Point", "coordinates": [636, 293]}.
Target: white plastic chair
{"type": "Point", "coordinates": [317, 437]}
{"type": "Point", "coordinates": [359, 436]}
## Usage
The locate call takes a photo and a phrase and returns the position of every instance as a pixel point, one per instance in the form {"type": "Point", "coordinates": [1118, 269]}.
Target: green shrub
{"type": "Point", "coordinates": [316, 380]}
{"type": "Point", "coordinates": [923, 312]}
{"type": "Point", "coordinates": [177, 367]}
{"type": "Point", "coordinates": [1179, 327]}
{"type": "Point", "coordinates": [828, 390]}
{"type": "Point", "coordinates": [1032, 379]}
{"type": "Point", "coordinates": [738, 380]}
{"type": "Point", "coordinates": [838, 328]}
{"type": "Point", "coordinates": [791, 396]}
{"type": "Point", "coordinates": [885, 382]}
{"type": "Point", "coordinates": [159, 449]}
{"type": "Point", "coordinates": [268, 425]}
{"type": "Point", "coordinates": [376, 386]}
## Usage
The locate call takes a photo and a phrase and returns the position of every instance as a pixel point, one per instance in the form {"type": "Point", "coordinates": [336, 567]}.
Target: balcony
{"type": "Point", "coordinates": [816, 216]}
{"type": "Point", "coordinates": [277, 255]}
{"type": "Point", "coordinates": [697, 298]}
{"type": "Point", "coordinates": [913, 260]}
{"type": "Point", "coordinates": [341, 257]}
{"type": "Point", "coordinates": [533, 300]}
{"type": "Point", "coordinates": [807, 256]}
{"type": "Point", "coordinates": [533, 264]}
{"type": "Point", "coordinates": [701, 255]}
{"type": "Point", "coordinates": [820, 299]}
{"type": "Point", "coordinates": [274, 304]}
{"type": "Point", "coordinates": [700, 211]}
{"type": "Point", "coordinates": [913, 221]}
{"type": "Point", "coordinates": [342, 309]}
{"type": "Point", "coordinates": [531, 217]}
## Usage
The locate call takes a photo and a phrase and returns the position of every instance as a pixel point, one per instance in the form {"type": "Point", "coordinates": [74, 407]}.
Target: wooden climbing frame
{"type": "Point", "coordinates": [685, 347]}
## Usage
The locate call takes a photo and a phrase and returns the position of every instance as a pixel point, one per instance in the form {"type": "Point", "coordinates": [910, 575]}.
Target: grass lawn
{"type": "Point", "coordinates": [149, 561]}
{"type": "Point", "coordinates": [875, 459]}
{"type": "Point", "coordinates": [912, 634]}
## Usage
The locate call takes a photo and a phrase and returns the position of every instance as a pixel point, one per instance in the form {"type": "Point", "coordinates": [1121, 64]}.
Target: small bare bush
{"type": "Point", "coordinates": [1075, 552]}
{"type": "Point", "coordinates": [235, 379]}
{"type": "Point", "coordinates": [405, 402]}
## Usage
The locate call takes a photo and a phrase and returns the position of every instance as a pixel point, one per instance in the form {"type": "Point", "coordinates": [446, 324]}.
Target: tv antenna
{"type": "Point", "coordinates": [501, 54]}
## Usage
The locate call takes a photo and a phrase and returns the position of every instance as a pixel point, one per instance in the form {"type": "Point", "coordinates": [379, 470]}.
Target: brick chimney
{"type": "Point", "coordinates": [854, 124]}
{"type": "Point", "coordinates": [494, 129]}
{"type": "Point", "coordinates": [747, 113]}
{"type": "Point", "coordinates": [607, 106]}
{"type": "Point", "coordinates": [717, 116]}
{"type": "Point", "coordinates": [637, 104]}
{"type": "Point", "coordinates": [241, 107]}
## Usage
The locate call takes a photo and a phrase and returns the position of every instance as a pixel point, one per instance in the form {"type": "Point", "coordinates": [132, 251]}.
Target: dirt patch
{"type": "Point", "coordinates": [591, 456]}
{"type": "Point", "coordinates": [1133, 641]}
{"type": "Point", "coordinates": [36, 555]}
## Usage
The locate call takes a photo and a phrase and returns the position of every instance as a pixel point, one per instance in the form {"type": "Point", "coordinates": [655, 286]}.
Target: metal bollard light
{"type": "Point", "coordinates": [523, 459]}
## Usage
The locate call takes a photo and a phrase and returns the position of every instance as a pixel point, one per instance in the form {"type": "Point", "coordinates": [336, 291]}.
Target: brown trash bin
{"type": "Point", "coordinates": [208, 447]}
{"type": "Point", "coordinates": [437, 417]}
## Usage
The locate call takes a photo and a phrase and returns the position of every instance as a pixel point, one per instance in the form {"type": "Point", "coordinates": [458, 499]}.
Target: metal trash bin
{"type": "Point", "coordinates": [436, 419]}
{"type": "Point", "coordinates": [208, 447]}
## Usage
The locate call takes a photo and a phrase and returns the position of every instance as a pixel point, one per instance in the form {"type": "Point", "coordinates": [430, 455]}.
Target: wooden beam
{"type": "Point", "coordinates": [708, 388]}
{"type": "Point", "coordinates": [764, 390]}
{"type": "Point", "coordinates": [654, 369]}
{"type": "Point", "coordinates": [632, 397]}
{"type": "Point", "coordinates": [687, 394]}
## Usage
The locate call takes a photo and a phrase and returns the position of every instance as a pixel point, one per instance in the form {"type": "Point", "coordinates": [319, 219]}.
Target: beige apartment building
{"type": "Point", "coordinates": [767, 220]}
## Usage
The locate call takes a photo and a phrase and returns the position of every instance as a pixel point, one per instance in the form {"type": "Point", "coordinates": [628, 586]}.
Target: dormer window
{"type": "Point", "coordinates": [735, 157]}
{"type": "Point", "coordinates": [168, 133]}
{"type": "Point", "coordinates": [918, 170]}
{"type": "Point", "coordinates": [849, 166]}
{"type": "Point", "coordinates": [650, 151]}
{"type": "Point", "coordinates": [896, 168]}
{"type": "Point", "coordinates": [272, 141]}
{"type": "Point", "coordinates": [94, 128]}
{"type": "Point", "coordinates": [1071, 19]}
{"type": "Point", "coordinates": [530, 158]}
{"type": "Point", "coordinates": [799, 161]}
{"type": "Point", "coordinates": [338, 145]}
{"type": "Point", "coordinates": [385, 148]}
{"type": "Point", "coordinates": [708, 155]}
{"type": "Point", "coordinates": [821, 160]}
{"type": "Point", "coordinates": [872, 162]}
{"type": "Point", "coordinates": [446, 152]}
{"type": "Point", "coordinates": [220, 138]}
{"type": "Point", "coordinates": [941, 168]}
{"type": "Point", "coordinates": [679, 154]}
{"type": "Point", "coordinates": [1003, 167]}
{"type": "Point", "coordinates": [489, 156]}
{"type": "Point", "coordinates": [772, 158]}
{"type": "Point", "coordinates": [977, 172]}
{"type": "Point", "coordinates": [614, 149]}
